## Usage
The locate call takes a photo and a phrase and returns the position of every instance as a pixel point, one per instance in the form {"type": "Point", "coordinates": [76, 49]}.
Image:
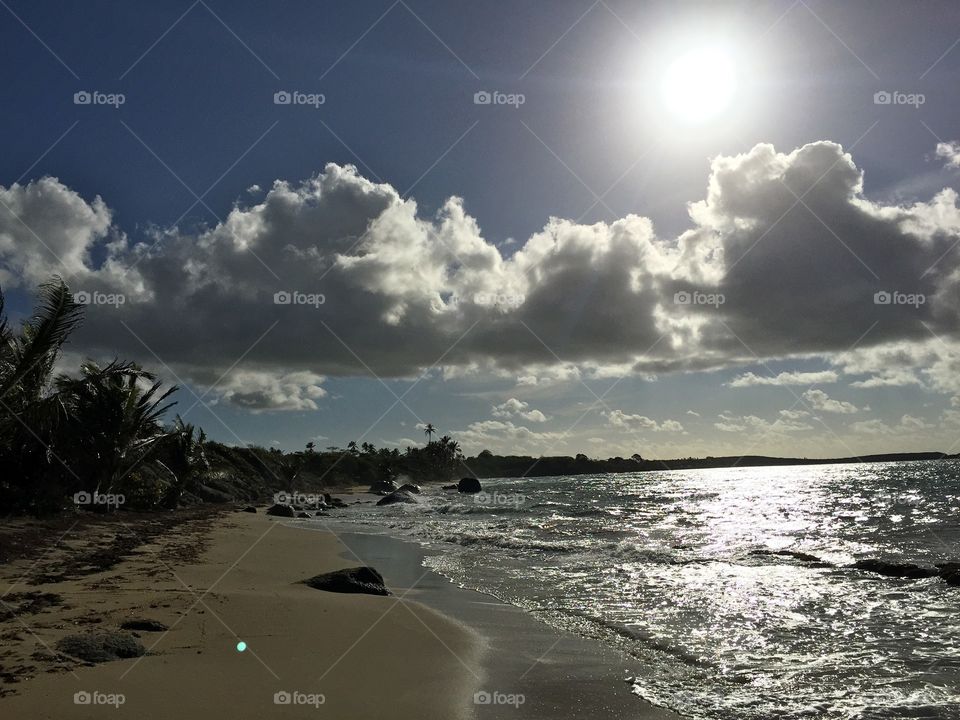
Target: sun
{"type": "Point", "coordinates": [699, 85]}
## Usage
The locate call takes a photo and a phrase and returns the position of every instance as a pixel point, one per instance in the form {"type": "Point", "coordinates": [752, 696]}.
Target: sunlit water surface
{"type": "Point", "coordinates": [665, 566]}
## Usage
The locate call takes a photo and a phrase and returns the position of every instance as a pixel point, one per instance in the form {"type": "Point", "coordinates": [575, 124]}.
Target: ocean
{"type": "Point", "coordinates": [706, 577]}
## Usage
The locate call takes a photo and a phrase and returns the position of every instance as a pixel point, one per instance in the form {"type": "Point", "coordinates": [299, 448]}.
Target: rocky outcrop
{"type": "Point", "coordinates": [469, 485]}
{"type": "Point", "coordinates": [249, 509]}
{"type": "Point", "coordinates": [898, 570]}
{"type": "Point", "coordinates": [411, 488]}
{"type": "Point", "coordinates": [383, 487]}
{"type": "Point", "coordinates": [279, 510]}
{"type": "Point", "coordinates": [399, 496]}
{"type": "Point", "coordinates": [350, 580]}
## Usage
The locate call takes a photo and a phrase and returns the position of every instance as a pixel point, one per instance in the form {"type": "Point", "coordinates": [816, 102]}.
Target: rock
{"type": "Point", "coordinates": [801, 556]}
{"type": "Point", "coordinates": [144, 625]}
{"type": "Point", "coordinates": [101, 647]}
{"type": "Point", "coordinates": [383, 487]}
{"type": "Point", "coordinates": [449, 487]}
{"type": "Point", "coordinates": [398, 496]}
{"type": "Point", "coordinates": [281, 511]}
{"type": "Point", "coordinates": [250, 509]}
{"type": "Point", "coordinates": [899, 570]}
{"type": "Point", "coordinates": [350, 580]}
{"type": "Point", "coordinates": [410, 487]}
{"type": "Point", "coordinates": [950, 572]}
{"type": "Point", "coordinates": [469, 485]}
{"type": "Point", "coordinates": [304, 515]}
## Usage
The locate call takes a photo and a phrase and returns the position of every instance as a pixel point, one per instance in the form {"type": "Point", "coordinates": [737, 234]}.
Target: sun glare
{"type": "Point", "coordinates": [699, 85]}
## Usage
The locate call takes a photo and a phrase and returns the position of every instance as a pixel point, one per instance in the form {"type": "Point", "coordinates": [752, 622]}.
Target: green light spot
{"type": "Point", "coordinates": [241, 646]}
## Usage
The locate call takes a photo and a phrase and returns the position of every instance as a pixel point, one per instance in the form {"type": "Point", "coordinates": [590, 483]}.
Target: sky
{"type": "Point", "coordinates": [673, 229]}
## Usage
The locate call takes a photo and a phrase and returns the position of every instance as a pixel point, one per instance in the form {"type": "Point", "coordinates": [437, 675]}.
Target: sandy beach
{"type": "Point", "coordinates": [343, 655]}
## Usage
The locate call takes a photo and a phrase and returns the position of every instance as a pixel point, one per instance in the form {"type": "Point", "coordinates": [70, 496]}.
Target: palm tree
{"type": "Point", "coordinates": [185, 457]}
{"type": "Point", "coordinates": [310, 446]}
{"type": "Point", "coordinates": [429, 430]}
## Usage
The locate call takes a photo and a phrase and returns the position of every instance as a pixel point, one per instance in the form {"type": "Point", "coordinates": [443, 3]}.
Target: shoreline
{"type": "Point", "coordinates": [559, 675]}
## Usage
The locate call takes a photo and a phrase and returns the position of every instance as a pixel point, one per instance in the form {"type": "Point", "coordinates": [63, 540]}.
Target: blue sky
{"type": "Point", "coordinates": [592, 142]}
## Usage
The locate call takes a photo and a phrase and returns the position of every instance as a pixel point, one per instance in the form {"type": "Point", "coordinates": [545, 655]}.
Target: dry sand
{"type": "Point", "coordinates": [367, 656]}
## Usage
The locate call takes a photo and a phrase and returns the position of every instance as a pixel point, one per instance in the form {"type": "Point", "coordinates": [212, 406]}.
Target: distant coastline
{"type": "Point", "coordinates": [489, 466]}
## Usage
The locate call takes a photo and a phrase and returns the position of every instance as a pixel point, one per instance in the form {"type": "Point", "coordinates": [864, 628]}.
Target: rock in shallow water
{"type": "Point", "coordinates": [350, 580]}
{"type": "Point", "coordinates": [469, 485]}
{"type": "Point", "coordinates": [399, 496]}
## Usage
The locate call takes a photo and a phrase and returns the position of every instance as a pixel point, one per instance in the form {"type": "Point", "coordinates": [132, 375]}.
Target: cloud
{"type": "Point", "coordinates": [759, 426]}
{"type": "Point", "coordinates": [785, 378]}
{"type": "Point", "coordinates": [949, 152]}
{"type": "Point", "coordinates": [260, 391]}
{"type": "Point", "coordinates": [693, 413]}
{"type": "Point", "coordinates": [401, 290]}
{"type": "Point", "coordinates": [819, 400]}
{"type": "Point", "coordinates": [517, 408]}
{"type": "Point", "coordinates": [908, 424]}
{"type": "Point", "coordinates": [625, 421]}
{"type": "Point", "coordinates": [504, 436]}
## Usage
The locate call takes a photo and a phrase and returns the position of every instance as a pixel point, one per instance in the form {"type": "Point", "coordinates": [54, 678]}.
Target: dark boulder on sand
{"type": "Point", "coordinates": [898, 570]}
{"type": "Point", "coordinates": [399, 496]}
{"type": "Point", "coordinates": [469, 485]}
{"type": "Point", "coordinates": [101, 647]}
{"type": "Point", "coordinates": [304, 515]}
{"type": "Point", "coordinates": [281, 511]}
{"type": "Point", "coordinates": [350, 580]}
{"type": "Point", "coordinates": [144, 625]}
{"type": "Point", "coordinates": [449, 487]}
{"type": "Point", "coordinates": [383, 487]}
{"type": "Point", "coordinates": [410, 487]}
{"type": "Point", "coordinates": [250, 509]}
